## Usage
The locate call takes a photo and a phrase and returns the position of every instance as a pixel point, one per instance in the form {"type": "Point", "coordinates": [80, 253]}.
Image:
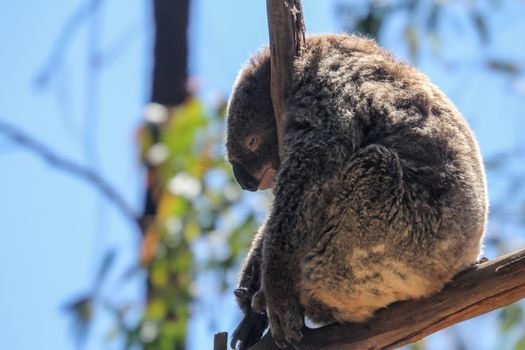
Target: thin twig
{"type": "Point", "coordinates": [91, 117]}
{"type": "Point", "coordinates": [64, 39]}
{"type": "Point", "coordinates": [22, 139]}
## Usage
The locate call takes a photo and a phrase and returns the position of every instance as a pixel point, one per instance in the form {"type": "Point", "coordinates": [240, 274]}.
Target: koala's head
{"type": "Point", "coordinates": [251, 140]}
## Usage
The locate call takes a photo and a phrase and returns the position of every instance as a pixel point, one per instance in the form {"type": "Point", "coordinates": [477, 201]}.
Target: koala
{"type": "Point", "coordinates": [380, 192]}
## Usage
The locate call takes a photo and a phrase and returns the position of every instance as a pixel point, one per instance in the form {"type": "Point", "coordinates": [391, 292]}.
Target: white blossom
{"type": "Point", "coordinates": [157, 154]}
{"type": "Point", "coordinates": [156, 113]}
{"type": "Point", "coordinates": [185, 185]}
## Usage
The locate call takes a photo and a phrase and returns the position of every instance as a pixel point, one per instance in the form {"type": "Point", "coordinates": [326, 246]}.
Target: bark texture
{"type": "Point", "coordinates": [286, 29]}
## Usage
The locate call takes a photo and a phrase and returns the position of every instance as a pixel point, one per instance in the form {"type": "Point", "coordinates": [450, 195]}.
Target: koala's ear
{"type": "Point", "coordinates": [252, 142]}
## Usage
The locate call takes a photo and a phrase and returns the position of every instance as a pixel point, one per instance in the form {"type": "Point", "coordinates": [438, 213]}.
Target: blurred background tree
{"type": "Point", "coordinates": [163, 266]}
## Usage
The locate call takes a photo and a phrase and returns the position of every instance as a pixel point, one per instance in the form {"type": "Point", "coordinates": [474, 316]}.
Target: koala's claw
{"type": "Point", "coordinates": [240, 293]}
{"type": "Point", "coordinates": [251, 328]}
{"type": "Point", "coordinates": [244, 298]}
{"type": "Point", "coordinates": [249, 331]}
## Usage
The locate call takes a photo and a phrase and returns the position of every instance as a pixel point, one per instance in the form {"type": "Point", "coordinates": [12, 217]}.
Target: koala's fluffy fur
{"type": "Point", "coordinates": [380, 195]}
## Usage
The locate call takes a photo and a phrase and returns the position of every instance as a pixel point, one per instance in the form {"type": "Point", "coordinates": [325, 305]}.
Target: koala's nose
{"type": "Point", "coordinates": [244, 178]}
{"type": "Point", "coordinates": [249, 186]}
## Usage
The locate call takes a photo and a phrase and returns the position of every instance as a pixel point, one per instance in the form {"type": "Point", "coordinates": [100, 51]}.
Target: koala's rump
{"type": "Point", "coordinates": [385, 237]}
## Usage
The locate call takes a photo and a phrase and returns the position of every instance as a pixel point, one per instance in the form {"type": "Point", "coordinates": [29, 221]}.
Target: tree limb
{"type": "Point", "coordinates": [220, 341]}
{"type": "Point", "coordinates": [64, 39]}
{"type": "Point", "coordinates": [485, 287]}
{"type": "Point", "coordinates": [286, 29]}
{"type": "Point", "coordinates": [26, 141]}
{"type": "Point", "coordinates": [170, 63]}
{"type": "Point", "coordinates": [170, 75]}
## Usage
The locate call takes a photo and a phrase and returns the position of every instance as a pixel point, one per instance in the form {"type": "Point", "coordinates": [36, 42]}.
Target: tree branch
{"type": "Point", "coordinates": [170, 64]}
{"type": "Point", "coordinates": [66, 35]}
{"type": "Point", "coordinates": [220, 341]}
{"type": "Point", "coordinates": [88, 175]}
{"type": "Point", "coordinates": [170, 75]}
{"type": "Point", "coordinates": [286, 29]}
{"type": "Point", "coordinates": [483, 288]}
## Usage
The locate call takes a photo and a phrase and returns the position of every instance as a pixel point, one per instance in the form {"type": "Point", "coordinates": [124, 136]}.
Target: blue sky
{"type": "Point", "coordinates": [54, 228]}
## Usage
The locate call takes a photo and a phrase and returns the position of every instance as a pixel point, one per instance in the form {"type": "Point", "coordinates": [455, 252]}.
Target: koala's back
{"type": "Point", "coordinates": [408, 209]}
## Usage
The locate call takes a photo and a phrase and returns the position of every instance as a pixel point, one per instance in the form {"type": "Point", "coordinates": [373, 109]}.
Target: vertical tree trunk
{"type": "Point", "coordinates": [170, 71]}
{"type": "Point", "coordinates": [170, 74]}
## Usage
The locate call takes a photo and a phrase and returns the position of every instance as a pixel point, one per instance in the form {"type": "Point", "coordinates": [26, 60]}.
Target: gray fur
{"type": "Point", "coordinates": [380, 195]}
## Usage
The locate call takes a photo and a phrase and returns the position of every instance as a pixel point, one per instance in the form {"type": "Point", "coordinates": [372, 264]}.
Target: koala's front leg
{"type": "Point", "coordinates": [252, 326]}
{"type": "Point", "coordinates": [278, 292]}
{"type": "Point", "coordinates": [282, 248]}
{"type": "Point", "coordinates": [312, 155]}
{"type": "Point", "coordinates": [250, 276]}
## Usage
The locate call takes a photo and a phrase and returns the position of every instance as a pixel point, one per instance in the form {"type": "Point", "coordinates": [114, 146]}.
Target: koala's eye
{"type": "Point", "coordinates": [252, 142]}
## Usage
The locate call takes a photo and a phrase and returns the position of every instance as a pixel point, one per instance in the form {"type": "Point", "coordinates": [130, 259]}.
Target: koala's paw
{"type": "Point", "coordinates": [286, 321]}
{"type": "Point", "coordinates": [249, 331]}
{"type": "Point", "coordinates": [259, 302]}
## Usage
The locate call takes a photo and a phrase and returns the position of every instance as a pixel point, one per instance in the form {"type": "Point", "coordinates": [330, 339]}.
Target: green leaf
{"type": "Point", "coordinates": [481, 25]}
{"type": "Point", "coordinates": [81, 311]}
{"type": "Point", "coordinates": [510, 316]}
{"type": "Point", "coordinates": [191, 231]}
{"type": "Point", "coordinates": [433, 18]}
{"type": "Point", "coordinates": [372, 23]}
{"type": "Point", "coordinates": [113, 333]}
{"type": "Point", "coordinates": [435, 43]}
{"type": "Point", "coordinates": [157, 309]}
{"type": "Point", "coordinates": [496, 162]}
{"type": "Point", "coordinates": [159, 273]}
{"type": "Point", "coordinates": [180, 134]}
{"type": "Point", "coordinates": [504, 67]}
{"type": "Point", "coordinates": [411, 36]}
{"type": "Point", "coordinates": [145, 140]}
{"type": "Point", "coordinates": [520, 345]}
{"type": "Point", "coordinates": [105, 266]}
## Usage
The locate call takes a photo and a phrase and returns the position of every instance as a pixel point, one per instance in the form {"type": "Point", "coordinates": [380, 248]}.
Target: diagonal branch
{"type": "Point", "coordinates": [19, 137]}
{"type": "Point", "coordinates": [63, 41]}
{"type": "Point", "coordinates": [486, 287]}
